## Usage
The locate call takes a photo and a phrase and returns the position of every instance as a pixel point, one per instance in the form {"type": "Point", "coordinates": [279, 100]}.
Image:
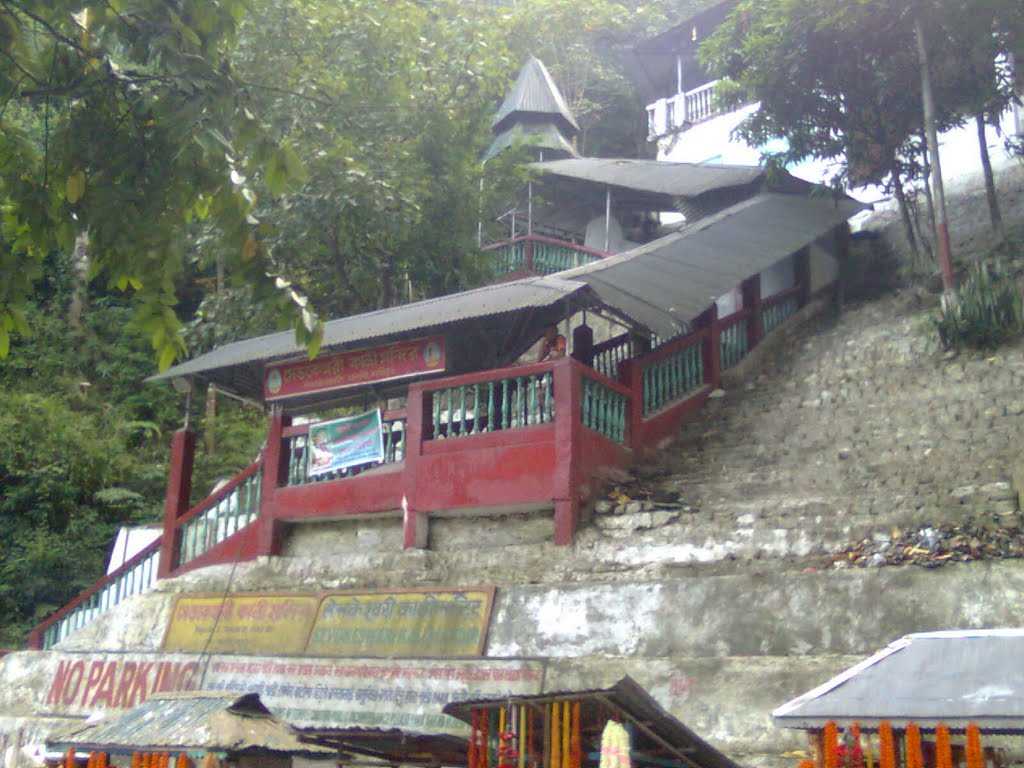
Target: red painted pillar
{"type": "Point", "coordinates": [268, 534]}
{"type": "Point", "coordinates": [415, 522]}
{"type": "Point", "coordinates": [568, 428]}
{"type": "Point", "coordinates": [751, 290]}
{"type": "Point", "coordinates": [179, 489]}
{"type": "Point", "coordinates": [711, 347]}
{"type": "Point", "coordinates": [631, 374]}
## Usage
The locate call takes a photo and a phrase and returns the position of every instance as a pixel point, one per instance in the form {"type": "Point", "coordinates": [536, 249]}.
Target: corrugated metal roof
{"type": "Point", "coordinates": [393, 745]}
{"type": "Point", "coordinates": [954, 677]}
{"type": "Point", "coordinates": [541, 135]}
{"type": "Point", "coordinates": [421, 315]}
{"type": "Point", "coordinates": [667, 282]}
{"type": "Point", "coordinates": [535, 92]}
{"type": "Point", "coordinates": [653, 176]}
{"type": "Point", "coordinates": [215, 722]}
{"type": "Point", "coordinates": [635, 703]}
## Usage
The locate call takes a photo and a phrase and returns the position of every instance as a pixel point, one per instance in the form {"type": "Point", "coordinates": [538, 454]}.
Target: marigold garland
{"type": "Point", "coordinates": [136, 760]}
{"type": "Point", "coordinates": [915, 757]}
{"type": "Point", "coordinates": [575, 748]}
{"type": "Point", "coordinates": [806, 764]}
{"type": "Point", "coordinates": [556, 735]}
{"type": "Point", "coordinates": [975, 755]}
{"type": "Point", "coordinates": [886, 746]}
{"type": "Point", "coordinates": [830, 747]}
{"type": "Point", "coordinates": [943, 748]}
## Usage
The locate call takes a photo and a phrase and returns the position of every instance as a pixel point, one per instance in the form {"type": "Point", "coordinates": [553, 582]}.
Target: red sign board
{"type": "Point", "coordinates": [350, 369]}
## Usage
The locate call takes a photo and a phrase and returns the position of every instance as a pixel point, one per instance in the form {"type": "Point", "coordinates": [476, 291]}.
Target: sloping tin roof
{"type": "Point", "coordinates": [653, 176]}
{"type": "Point", "coordinates": [215, 722]}
{"type": "Point", "coordinates": [955, 677]}
{"type": "Point", "coordinates": [541, 136]}
{"type": "Point", "coordinates": [535, 93]}
{"type": "Point", "coordinates": [631, 699]}
{"type": "Point", "coordinates": [392, 745]}
{"type": "Point", "coordinates": [532, 292]}
{"type": "Point", "coordinates": [668, 282]}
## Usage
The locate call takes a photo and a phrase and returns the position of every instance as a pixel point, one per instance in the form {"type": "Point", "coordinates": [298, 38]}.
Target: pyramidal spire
{"type": "Point", "coordinates": [535, 113]}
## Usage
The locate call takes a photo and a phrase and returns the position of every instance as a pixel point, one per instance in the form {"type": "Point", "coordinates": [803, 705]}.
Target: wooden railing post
{"type": "Point", "coordinates": [179, 488]}
{"type": "Point", "coordinates": [268, 536]}
{"type": "Point", "coordinates": [711, 348]}
{"type": "Point", "coordinates": [415, 522]}
{"type": "Point", "coordinates": [632, 376]}
{"type": "Point", "coordinates": [751, 292]}
{"type": "Point", "coordinates": [568, 428]}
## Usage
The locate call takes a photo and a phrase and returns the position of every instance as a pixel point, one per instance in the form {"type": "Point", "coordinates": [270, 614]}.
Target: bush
{"type": "Point", "coordinates": [987, 311]}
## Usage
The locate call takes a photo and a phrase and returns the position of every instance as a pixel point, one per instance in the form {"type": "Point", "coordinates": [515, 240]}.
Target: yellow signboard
{"type": "Point", "coordinates": [275, 624]}
{"type": "Point", "coordinates": [416, 623]}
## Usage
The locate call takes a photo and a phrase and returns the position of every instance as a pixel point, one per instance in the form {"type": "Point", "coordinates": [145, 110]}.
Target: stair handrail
{"type": "Point", "coordinates": [35, 637]}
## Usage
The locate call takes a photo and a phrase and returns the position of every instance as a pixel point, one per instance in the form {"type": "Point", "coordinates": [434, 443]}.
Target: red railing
{"type": "Point", "coordinates": [135, 576]}
{"type": "Point", "coordinates": [539, 254]}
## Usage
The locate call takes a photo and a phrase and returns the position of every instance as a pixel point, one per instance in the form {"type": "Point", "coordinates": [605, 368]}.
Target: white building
{"type": "Point", "coordinates": [688, 124]}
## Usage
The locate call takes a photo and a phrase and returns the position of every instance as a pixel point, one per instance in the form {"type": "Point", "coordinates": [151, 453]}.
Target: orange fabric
{"type": "Point", "coordinates": [576, 758]}
{"type": "Point", "coordinates": [943, 749]}
{"type": "Point", "coordinates": [915, 758]}
{"type": "Point", "coordinates": [552, 350]}
{"type": "Point", "coordinates": [831, 746]}
{"type": "Point", "coordinates": [136, 760]}
{"type": "Point", "coordinates": [806, 764]}
{"type": "Point", "coordinates": [69, 758]}
{"type": "Point", "coordinates": [556, 735]}
{"type": "Point", "coordinates": [474, 734]}
{"type": "Point", "coordinates": [182, 761]}
{"type": "Point", "coordinates": [975, 754]}
{"type": "Point", "coordinates": [886, 746]}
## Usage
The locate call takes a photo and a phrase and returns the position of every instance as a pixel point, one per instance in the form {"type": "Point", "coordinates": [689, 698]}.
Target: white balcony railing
{"type": "Point", "coordinates": [679, 112]}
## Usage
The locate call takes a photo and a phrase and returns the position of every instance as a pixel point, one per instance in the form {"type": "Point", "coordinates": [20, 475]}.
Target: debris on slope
{"type": "Point", "coordinates": [970, 539]}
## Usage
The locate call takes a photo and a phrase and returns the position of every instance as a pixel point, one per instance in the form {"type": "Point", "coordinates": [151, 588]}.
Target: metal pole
{"type": "Point", "coordinates": [607, 218]}
{"type": "Point", "coordinates": [928, 99]}
{"type": "Point", "coordinates": [480, 216]}
{"type": "Point", "coordinates": [529, 208]}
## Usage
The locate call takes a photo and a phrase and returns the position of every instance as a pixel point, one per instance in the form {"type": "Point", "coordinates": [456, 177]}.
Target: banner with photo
{"type": "Point", "coordinates": [344, 443]}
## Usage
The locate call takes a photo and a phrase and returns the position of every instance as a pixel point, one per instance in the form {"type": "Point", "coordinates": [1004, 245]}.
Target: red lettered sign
{"type": "Point", "coordinates": [350, 369]}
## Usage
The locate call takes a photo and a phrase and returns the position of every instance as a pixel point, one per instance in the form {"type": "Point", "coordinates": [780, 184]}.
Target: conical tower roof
{"type": "Point", "coordinates": [534, 96]}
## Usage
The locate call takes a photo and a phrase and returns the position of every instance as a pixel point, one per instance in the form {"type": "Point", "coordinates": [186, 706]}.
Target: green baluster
{"type": "Point", "coordinates": [645, 379]}
{"type": "Point", "coordinates": [435, 400]}
{"type": "Point", "coordinates": [588, 396]}
{"type": "Point", "coordinates": [620, 421]}
{"type": "Point", "coordinates": [450, 418]}
{"type": "Point", "coordinates": [531, 401]}
{"type": "Point", "coordinates": [602, 410]}
{"type": "Point", "coordinates": [549, 397]}
{"type": "Point", "coordinates": [504, 404]}
{"type": "Point", "coordinates": [462, 409]}
{"type": "Point", "coordinates": [490, 406]}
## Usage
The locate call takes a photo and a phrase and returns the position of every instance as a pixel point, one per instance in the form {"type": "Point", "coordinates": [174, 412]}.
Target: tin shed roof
{"type": "Point", "coordinates": [199, 720]}
{"type": "Point", "coordinates": [954, 677]}
{"type": "Point", "coordinates": [653, 176]}
{"type": "Point", "coordinates": [629, 701]}
{"type": "Point", "coordinates": [535, 93]}
{"type": "Point", "coordinates": [669, 281]}
{"type": "Point", "coordinates": [491, 300]}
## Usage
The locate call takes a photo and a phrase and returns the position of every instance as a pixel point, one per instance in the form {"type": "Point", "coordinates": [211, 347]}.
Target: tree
{"type": "Point", "coordinates": [131, 126]}
{"type": "Point", "coordinates": [837, 81]}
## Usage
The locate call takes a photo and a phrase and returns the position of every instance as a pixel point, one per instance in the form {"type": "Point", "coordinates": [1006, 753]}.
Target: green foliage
{"type": "Point", "coordinates": [987, 311]}
{"type": "Point", "coordinates": [130, 127]}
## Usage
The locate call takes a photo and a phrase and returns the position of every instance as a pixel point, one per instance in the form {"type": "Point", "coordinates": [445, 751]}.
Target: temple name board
{"type": "Point", "coordinates": [350, 369]}
{"type": "Point", "coordinates": [415, 623]}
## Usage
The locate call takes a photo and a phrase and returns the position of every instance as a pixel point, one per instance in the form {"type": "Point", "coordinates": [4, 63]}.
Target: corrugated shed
{"type": "Point", "coordinates": [668, 282]}
{"type": "Point", "coordinates": [630, 700]}
{"type": "Point", "coordinates": [214, 722]}
{"type": "Point", "coordinates": [535, 93]}
{"type": "Point", "coordinates": [653, 176]}
{"type": "Point", "coordinates": [533, 292]}
{"type": "Point", "coordinates": [954, 677]}
{"type": "Point", "coordinates": [393, 745]}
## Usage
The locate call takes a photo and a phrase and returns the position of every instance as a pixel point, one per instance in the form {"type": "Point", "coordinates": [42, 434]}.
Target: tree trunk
{"type": "Point", "coordinates": [990, 183]}
{"type": "Point", "coordinates": [928, 188]}
{"type": "Point", "coordinates": [932, 134]}
{"type": "Point", "coordinates": [908, 224]}
{"type": "Point", "coordinates": [79, 280]}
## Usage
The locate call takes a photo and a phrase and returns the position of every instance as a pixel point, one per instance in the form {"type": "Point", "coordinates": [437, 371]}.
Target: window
{"type": "Point", "coordinates": [670, 114]}
{"type": "Point", "coordinates": [651, 128]}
